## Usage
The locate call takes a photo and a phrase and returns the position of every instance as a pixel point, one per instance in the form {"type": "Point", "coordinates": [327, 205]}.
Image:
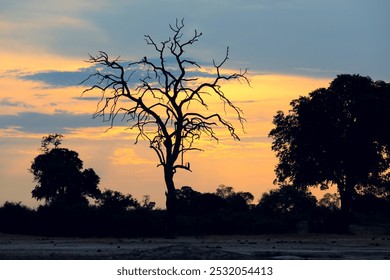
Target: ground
{"type": "Point", "coordinates": [364, 245]}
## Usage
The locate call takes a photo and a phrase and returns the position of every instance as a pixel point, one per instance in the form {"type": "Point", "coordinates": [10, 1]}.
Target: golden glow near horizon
{"type": "Point", "coordinates": [246, 165]}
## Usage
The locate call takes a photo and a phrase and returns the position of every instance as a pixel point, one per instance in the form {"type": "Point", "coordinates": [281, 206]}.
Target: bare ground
{"type": "Point", "coordinates": [364, 245]}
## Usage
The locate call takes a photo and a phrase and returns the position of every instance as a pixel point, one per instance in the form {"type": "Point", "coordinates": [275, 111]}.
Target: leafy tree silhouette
{"type": "Point", "coordinates": [59, 175]}
{"type": "Point", "coordinates": [187, 197]}
{"type": "Point", "coordinates": [147, 204]}
{"type": "Point", "coordinates": [237, 201]}
{"type": "Point", "coordinates": [336, 136]}
{"type": "Point", "coordinates": [116, 201]}
{"type": "Point", "coordinates": [287, 200]}
{"type": "Point", "coordinates": [169, 105]}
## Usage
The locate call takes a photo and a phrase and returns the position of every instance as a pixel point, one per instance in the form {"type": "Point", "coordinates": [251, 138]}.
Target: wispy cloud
{"type": "Point", "coordinates": [128, 156]}
{"type": "Point", "coordinates": [60, 79]}
{"type": "Point", "coordinates": [59, 122]}
{"type": "Point", "coordinates": [7, 102]}
{"type": "Point", "coordinates": [306, 71]}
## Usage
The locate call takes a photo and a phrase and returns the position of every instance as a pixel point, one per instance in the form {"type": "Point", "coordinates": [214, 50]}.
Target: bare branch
{"type": "Point", "coordinates": [161, 102]}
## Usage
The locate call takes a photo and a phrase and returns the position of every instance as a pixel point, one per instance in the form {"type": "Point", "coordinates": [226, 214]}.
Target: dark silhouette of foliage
{"type": "Point", "coordinates": [237, 201]}
{"type": "Point", "coordinates": [283, 210]}
{"type": "Point", "coordinates": [16, 218]}
{"type": "Point", "coordinates": [116, 201]}
{"type": "Point", "coordinates": [222, 212]}
{"type": "Point", "coordinates": [186, 198]}
{"type": "Point", "coordinates": [330, 201]}
{"type": "Point", "coordinates": [336, 136]}
{"type": "Point", "coordinates": [207, 203]}
{"type": "Point", "coordinates": [53, 139]}
{"type": "Point", "coordinates": [64, 218]}
{"type": "Point", "coordinates": [224, 199]}
{"type": "Point", "coordinates": [59, 175]}
{"type": "Point", "coordinates": [371, 206]}
{"type": "Point", "coordinates": [166, 106]}
{"type": "Point", "coordinates": [290, 209]}
{"type": "Point", "coordinates": [224, 191]}
{"type": "Point", "coordinates": [147, 203]}
{"type": "Point", "coordinates": [288, 200]}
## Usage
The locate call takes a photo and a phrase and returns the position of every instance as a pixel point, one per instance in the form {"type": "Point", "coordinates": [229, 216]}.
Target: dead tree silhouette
{"type": "Point", "coordinates": [168, 106]}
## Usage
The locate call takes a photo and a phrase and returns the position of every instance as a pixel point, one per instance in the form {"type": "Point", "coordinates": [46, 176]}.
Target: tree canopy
{"type": "Point", "coordinates": [288, 200]}
{"type": "Point", "coordinates": [338, 135]}
{"type": "Point", "coordinates": [59, 174]}
{"type": "Point", "coordinates": [116, 201]}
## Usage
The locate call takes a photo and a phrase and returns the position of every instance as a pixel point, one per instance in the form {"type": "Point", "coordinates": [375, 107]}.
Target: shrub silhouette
{"type": "Point", "coordinates": [16, 218]}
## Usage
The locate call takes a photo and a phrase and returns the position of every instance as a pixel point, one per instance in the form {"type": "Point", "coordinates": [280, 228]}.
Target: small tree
{"type": "Point", "coordinates": [168, 106]}
{"type": "Point", "coordinates": [59, 175]}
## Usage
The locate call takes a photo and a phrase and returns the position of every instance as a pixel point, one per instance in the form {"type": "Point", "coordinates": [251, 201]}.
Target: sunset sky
{"type": "Point", "coordinates": [291, 48]}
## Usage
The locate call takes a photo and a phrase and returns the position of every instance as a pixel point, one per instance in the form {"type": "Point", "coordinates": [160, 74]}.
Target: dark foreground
{"type": "Point", "coordinates": [298, 246]}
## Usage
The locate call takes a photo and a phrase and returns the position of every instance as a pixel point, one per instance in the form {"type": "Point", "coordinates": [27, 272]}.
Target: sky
{"type": "Point", "coordinates": [291, 47]}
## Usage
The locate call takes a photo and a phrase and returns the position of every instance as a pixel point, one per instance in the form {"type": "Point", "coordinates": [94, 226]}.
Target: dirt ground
{"type": "Point", "coordinates": [365, 245]}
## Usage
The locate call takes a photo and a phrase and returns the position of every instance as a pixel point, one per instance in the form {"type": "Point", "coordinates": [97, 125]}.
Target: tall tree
{"type": "Point", "coordinates": [336, 136]}
{"type": "Point", "coordinates": [168, 105]}
{"type": "Point", "coordinates": [59, 175]}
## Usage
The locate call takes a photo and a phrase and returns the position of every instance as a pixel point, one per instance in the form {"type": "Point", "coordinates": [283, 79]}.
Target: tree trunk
{"type": "Point", "coordinates": [346, 202]}
{"type": "Point", "coordinates": [170, 202]}
{"type": "Point", "coordinates": [346, 198]}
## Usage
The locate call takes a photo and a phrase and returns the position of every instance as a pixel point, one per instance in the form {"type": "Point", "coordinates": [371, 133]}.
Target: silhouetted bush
{"type": "Point", "coordinates": [62, 219]}
{"type": "Point", "coordinates": [288, 203]}
{"type": "Point", "coordinates": [16, 218]}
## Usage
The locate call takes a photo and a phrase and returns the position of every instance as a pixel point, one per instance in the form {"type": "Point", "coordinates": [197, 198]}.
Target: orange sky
{"type": "Point", "coordinates": [246, 165]}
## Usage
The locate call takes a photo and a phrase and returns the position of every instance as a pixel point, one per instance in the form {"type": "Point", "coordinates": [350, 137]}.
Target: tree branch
{"type": "Point", "coordinates": [161, 100]}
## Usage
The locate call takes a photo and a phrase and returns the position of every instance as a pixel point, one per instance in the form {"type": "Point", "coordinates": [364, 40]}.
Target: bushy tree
{"type": "Point", "coordinates": [289, 201]}
{"type": "Point", "coordinates": [336, 136]}
{"type": "Point", "coordinates": [236, 201]}
{"type": "Point", "coordinates": [116, 201]}
{"type": "Point", "coordinates": [59, 175]}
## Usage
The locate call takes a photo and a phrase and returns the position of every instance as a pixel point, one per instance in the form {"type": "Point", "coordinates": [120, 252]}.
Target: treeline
{"type": "Point", "coordinates": [334, 137]}
{"type": "Point", "coordinates": [282, 210]}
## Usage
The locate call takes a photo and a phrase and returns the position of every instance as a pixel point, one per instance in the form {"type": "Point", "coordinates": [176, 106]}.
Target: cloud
{"type": "Point", "coordinates": [128, 156]}
{"type": "Point", "coordinates": [8, 103]}
{"type": "Point", "coordinates": [59, 122]}
{"type": "Point", "coordinates": [85, 98]}
{"type": "Point", "coordinates": [42, 25]}
{"type": "Point", "coordinates": [318, 72]}
{"type": "Point", "coordinates": [60, 79]}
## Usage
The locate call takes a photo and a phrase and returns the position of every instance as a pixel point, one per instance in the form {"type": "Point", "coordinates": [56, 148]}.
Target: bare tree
{"type": "Point", "coordinates": [168, 103]}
